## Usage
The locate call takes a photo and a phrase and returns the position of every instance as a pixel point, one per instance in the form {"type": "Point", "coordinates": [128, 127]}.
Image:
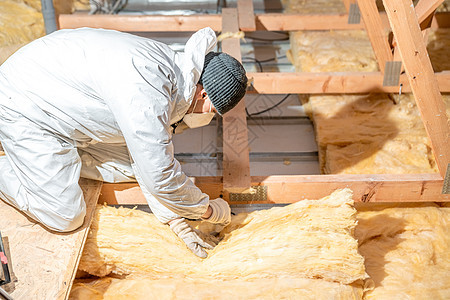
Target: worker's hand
{"type": "Point", "coordinates": [221, 212]}
{"type": "Point", "coordinates": [191, 237]}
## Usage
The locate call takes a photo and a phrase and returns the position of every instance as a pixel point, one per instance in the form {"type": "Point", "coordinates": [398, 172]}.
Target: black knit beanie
{"type": "Point", "coordinates": [224, 80]}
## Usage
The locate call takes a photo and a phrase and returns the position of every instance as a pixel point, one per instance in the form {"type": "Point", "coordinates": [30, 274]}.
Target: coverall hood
{"type": "Point", "coordinates": [191, 67]}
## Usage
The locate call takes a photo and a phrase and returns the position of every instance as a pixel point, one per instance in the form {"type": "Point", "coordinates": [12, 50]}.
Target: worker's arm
{"type": "Point", "coordinates": [143, 97]}
{"type": "Point", "coordinates": [169, 192]}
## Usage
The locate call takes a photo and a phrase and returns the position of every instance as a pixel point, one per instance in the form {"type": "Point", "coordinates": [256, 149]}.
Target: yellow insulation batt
{"type": "Point", "coordinates": [332, 51]}
{"type": "Point", "coordinates": [204, 288]}
{"type": "Point", "coordinates": [289, 250]}
{"type": "Point", "coordinates": [383, 134]}
{"type": "Point", "coordinates": [406, 251]}
{"type": "Point", "coordinates": [21, 22]}
{"type": "Point", "coordinates": [19, 25]}
{"type": "Point", "coordinates": [314, 6]}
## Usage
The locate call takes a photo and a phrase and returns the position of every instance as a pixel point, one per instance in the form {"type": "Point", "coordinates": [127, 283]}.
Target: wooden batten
{"type": "Point", "coordinates": [293, 188]}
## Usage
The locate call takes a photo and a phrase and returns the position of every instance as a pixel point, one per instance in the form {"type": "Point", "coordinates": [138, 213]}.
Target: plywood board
{"type": "Point", "coordinates": [44, 262]}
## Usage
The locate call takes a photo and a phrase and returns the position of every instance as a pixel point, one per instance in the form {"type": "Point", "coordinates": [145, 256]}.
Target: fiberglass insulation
{"type": "Point", "coordinates": [21, 22]}
{"type": "Point", "coordinates": [406, 251]}
{"type": "Point", "coordinates": [306, 250]}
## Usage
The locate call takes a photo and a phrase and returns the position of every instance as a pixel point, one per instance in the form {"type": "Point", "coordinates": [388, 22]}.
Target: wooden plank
{"type": "Point", "coordinates": [236, 160]}
{"type": "Point", "coordinates": [270, 22]}
{"type": "Point", "coordinates": [292, 22]}
{"type": "Point", "coordinates": [44, 262]}
{"type": "Point", "coordinates": [332, 83]}
{"type": "Point", "coordinates": [421, 77]}
{"type": "Point", "coordinates": [375, 31]}
{"type": "Point", "coordinates": [246, 15]}
{"type": "Point", "coordinates": [134, 23]}
{"type": "Point", "coordinates": [292, 188]}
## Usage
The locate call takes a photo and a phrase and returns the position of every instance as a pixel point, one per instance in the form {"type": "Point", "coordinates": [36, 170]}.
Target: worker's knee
{"type": "Point", "coordinates": [66, 223]}
{"type": "Point", "coordinates": [63, 218]}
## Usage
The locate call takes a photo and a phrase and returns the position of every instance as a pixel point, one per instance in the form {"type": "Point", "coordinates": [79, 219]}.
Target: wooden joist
{"type": "Point", "coordinates": [377, 34]}
{"type": "Point", "coordinates": [293, 188]}
{"type": "Point", "coordinates": [333, 83]}
{"type": "Point", "coordinates": [236, 160]}
{"type": "Point", "coordinates": [421, 77]}
{"type": "Point", "coordinates": [270, 22]}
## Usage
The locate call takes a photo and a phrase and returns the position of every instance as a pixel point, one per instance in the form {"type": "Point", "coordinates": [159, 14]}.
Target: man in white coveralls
{"type": "Point", "coordinates": [102, 104]}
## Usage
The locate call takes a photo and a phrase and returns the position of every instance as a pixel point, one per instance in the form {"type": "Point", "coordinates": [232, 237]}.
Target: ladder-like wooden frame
{"type": "Point", "coordinates": [406, 23]}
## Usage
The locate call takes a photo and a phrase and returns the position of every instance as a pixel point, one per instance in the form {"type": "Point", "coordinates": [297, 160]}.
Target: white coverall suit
{"type": "Point", "coordinates": [82, 102]}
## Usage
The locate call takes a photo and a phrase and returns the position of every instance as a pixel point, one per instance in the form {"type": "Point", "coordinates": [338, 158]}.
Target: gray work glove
{"type": "Point", "coordinates": [193, 239]}
{"type": "Point", "coordinates": [221, 212]}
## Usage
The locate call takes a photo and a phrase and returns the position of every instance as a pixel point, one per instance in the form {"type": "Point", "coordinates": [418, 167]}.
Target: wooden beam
{"type": "Point", "coordinates": [421, 77]}
{"type": "Point", "coordinates": [333, 83]}
{"type": "Point", "coordinates": [134, 23]}
{"type": "Point", "coordinates": [236, 160]}
{"type": "Point", "coordinates": [269, 22]}
{"type": "Point", "coordinates": [45, 262]}
{"type": "Point", "coordinates": [425, 8]}
{"type": "Point", "coordinates": [292, 22]}
{"type": "Point", "coordinates": [246, 15]}
{"type": "Point", "coordinates": [293, 188]}
{"type": "Point", "coordinates": [377, 35]}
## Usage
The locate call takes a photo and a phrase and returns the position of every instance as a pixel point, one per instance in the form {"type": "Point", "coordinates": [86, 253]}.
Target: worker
{"type": "Point", "coordinates": [104, 105]}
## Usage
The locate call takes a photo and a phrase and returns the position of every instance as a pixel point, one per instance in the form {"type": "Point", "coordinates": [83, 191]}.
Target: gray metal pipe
{"type": "Point", "coordinates": [48, 12]}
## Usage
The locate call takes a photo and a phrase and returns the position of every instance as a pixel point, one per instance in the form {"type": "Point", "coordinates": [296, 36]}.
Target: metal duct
{"type": "Point", "coordinates": [195, 6]}
{"type": "Point", "coordinates": [48, 12]}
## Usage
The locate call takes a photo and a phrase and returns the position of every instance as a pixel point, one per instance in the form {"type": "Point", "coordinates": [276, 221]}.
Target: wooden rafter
{"type": "Point", "coordinates": [236, 161]}
{"type": "Point", "coordinates": [424, 85]}
{"type": "Point", "coordinates": [425, 11]}
{"type": "Point", "coordinates": [377, 35]}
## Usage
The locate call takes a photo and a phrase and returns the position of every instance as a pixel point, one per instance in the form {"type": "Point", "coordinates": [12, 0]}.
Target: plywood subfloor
{"type": "Point", "coordinates": [43, 262]}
